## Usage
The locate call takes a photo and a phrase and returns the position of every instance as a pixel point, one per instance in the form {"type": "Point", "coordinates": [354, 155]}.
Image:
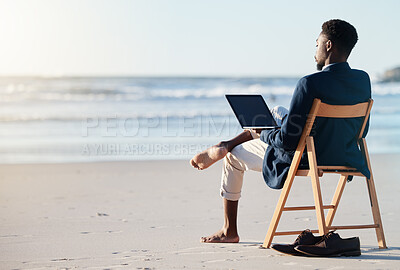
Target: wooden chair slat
{"type": "Point", "coordinates": [337, 168]}
{"type": "Point", "coordinates": [307, 173]}
{"type": "Point", "coordinates": [343, 111]}
{"type": "Point", "coordinates": [298, 208]}
{"type": "Point", "coordinates": [347, 227]}
{"type": "Point", "coordinates": [352, 227]}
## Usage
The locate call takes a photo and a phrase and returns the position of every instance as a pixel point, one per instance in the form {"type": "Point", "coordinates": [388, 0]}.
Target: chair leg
{"type": "Point", "coordinates": [318, 204]}
{"type": "Point", "coordinates": [282, 199]}
{"type": "Point", "coordinates": [316, 186]}
{"type": "Point", "coordinates": [278, 211]}
{"type": "Point", "coordinates": [376, 213]}
{"type": "Point", "coordinates": [373, 198]}
{"type": "Point", "coordinates": [336, 199]}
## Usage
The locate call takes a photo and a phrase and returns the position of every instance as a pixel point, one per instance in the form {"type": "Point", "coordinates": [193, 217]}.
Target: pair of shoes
{"type": "Point", "coordinates": [328, 245]}
{"type": "Point", "coordinates": [332, 245]}
{"type": "Point", "coordinates": [305, 238]}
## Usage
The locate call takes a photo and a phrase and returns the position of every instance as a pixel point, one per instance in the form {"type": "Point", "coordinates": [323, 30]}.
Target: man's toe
{"type": "Point", "coordinates": [194, 164]}
{"type": "Point", "coordinates": [204, 239]}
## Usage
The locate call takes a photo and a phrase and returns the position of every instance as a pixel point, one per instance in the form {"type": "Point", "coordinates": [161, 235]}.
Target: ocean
{"type": "Point", "coordinates": [86, 119]}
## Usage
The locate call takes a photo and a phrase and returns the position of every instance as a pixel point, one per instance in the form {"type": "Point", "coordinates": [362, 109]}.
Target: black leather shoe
{"type": "Point", "coordinates": [332, 245]}
{"type": "Point", "coordinates": [305, 238]}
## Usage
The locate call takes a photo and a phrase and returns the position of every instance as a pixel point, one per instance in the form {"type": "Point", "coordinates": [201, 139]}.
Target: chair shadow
{"type": "Point", "coordinates": [373, 257]}
{"type": "Point", "coordinates": [365, 254]}
{"type": "Point", "coordinates": [375, 249]}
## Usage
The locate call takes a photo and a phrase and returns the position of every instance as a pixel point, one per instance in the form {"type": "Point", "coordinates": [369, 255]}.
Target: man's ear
{"type": "Point", "coordinates": [328, 45]}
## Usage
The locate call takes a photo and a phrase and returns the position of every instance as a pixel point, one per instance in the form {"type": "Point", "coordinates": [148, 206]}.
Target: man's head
{"type": "Point", "coordinates": [335, 42]}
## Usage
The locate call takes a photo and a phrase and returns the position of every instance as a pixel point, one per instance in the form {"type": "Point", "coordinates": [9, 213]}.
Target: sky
{"type": "Point", "coordinates": [187, 37]}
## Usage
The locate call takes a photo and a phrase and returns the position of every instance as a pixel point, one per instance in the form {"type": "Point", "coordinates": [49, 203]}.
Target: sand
{"type": "Point", "coordinates": [151, 215]}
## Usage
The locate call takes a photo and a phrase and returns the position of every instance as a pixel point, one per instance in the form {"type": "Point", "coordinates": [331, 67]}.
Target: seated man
{"type": "Point", "coordinates": [271, 151]}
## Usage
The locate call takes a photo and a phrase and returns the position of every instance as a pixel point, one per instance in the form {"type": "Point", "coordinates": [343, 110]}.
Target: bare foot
{"type": "Point", "coordinates": [220, 237]}
{"type": "Point", "coordinates": [208, 157]}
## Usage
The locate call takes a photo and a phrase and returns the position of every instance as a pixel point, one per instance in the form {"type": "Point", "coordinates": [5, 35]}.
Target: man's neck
{"type": "Point", "coordinates": [329, 65]}
{"type": "Point", "coordinates": [333, 59]}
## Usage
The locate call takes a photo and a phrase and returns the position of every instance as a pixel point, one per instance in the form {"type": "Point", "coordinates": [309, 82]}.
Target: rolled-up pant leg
{"type": "Point", "coordinates": [246, 156]}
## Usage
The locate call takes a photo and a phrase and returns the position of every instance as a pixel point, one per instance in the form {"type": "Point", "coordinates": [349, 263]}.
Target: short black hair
{"type": "Point", "coordinates": [341, 33]}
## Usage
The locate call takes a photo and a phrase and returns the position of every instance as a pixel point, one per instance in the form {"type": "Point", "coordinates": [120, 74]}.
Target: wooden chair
{"type": "Point", "coordinates": [315, 171]}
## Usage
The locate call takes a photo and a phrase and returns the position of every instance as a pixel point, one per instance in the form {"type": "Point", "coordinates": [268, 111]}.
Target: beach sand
{"type": "Point", "coordinates": [151, 215]}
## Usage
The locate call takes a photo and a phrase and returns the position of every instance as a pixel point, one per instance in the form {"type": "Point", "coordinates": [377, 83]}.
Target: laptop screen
{"type": "Point", "coordinates": [251, 111]}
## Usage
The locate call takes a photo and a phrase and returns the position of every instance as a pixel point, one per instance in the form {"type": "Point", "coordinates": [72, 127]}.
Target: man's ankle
{"type": "Point", "coordinates": [224, 144]}
{"type": "Point", "coordinates": [229, 231]}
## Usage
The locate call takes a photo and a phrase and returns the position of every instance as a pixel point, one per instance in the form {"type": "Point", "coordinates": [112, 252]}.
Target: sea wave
{"type": "Point", "coordinates": [136, 89]}
{"type": "Point", "coordinates": [386, 89]}
{"type": "Point", "coordinates": [109, 116]}
{"type": "Point", "coordinates": [136, 94]}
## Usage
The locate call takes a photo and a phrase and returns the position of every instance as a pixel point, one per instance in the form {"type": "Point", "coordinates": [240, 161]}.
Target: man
{"type": "Point", "coordinates": [271, 151]}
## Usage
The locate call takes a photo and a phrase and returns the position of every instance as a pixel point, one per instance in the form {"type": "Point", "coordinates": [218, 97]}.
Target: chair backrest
{"type": "Point", "coordinates": [347, 111]}
{"type": "Point", "coordinates": [320, 109]}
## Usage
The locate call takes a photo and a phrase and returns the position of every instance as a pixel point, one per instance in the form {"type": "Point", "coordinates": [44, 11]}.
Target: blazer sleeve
{"type": "Point", "coordinates": [288, 136]}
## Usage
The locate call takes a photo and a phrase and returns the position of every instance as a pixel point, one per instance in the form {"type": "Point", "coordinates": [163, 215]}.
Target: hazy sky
{"type": "Point", "coordinates": [187, 37]}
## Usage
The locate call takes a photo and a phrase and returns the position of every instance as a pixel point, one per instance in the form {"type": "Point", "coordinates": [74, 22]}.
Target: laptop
{"type": "Point", "coordinates": [251, 111]}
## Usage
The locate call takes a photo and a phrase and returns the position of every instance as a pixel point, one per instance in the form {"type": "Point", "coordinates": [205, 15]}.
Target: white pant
{"type": "Point", "coordinates": [246, 156]}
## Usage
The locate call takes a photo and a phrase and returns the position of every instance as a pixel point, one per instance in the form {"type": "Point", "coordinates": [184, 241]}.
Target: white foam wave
{"type": "Point", "coordinates": [75, 89]}
{"type": "Point", "coordinates": [383, 89]}
{"type": "Point", "coordinates": [107, 116]}
{"type": "Point", "coordinates": [144, 95]}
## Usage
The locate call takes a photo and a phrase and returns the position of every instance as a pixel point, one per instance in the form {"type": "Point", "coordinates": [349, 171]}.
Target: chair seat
{"type": "Point", "coordinates": [343, 170]}
{"type": "Point", "coordinates": [307, 173]}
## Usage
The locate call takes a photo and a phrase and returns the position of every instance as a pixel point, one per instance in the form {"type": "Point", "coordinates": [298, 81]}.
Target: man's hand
{"type": "Point", "coordinates": [257, 130]}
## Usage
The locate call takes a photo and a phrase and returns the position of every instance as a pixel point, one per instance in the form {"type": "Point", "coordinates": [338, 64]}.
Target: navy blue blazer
{"type": "Point", "coordinates": [335, 138]}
